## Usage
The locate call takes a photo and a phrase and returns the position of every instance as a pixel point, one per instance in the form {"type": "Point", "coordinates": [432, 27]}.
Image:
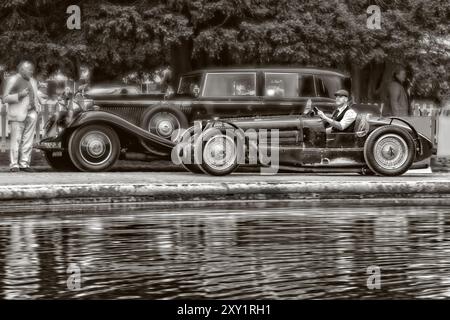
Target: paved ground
{"type": "Point", "coordinates": [145, 176]}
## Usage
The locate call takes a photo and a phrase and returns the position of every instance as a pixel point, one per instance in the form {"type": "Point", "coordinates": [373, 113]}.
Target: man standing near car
{"type": "Point", "coordinates": [166, 79]}
{"type": "Point", "coordinates": [343, 117]}
{"type": "Point", "coordinates": [21, 95]}
{"type": "Point", "coordinates": [397, 103]}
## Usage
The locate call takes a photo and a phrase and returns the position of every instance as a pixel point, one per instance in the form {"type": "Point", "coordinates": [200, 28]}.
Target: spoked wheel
{"type": "Point", "coordinates": [164, 121]}
{"type": "Point", "coordinates": [163, 124]}
{"type": "Point", "coordinates": [219, 152]}
{"type": "Point", "coordinates": [389, 151]}
{"type": "Point", "coordinates": [94, 148]}
{"type": "Point", "coordinates": [59, 163]}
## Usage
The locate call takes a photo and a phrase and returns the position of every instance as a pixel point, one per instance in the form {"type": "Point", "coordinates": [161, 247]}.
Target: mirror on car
{"type": "Point", "coordinates": [169, 92]}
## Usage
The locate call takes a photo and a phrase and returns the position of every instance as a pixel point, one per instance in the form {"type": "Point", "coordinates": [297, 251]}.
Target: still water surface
{"type": "Point", "coordinates": [265, 252]}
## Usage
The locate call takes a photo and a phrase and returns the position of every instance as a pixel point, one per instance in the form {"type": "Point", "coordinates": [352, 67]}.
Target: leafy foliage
{"type": "Point", "coordinates": [119, 37]}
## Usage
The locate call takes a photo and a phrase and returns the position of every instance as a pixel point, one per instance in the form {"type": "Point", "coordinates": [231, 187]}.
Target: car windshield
{"type": "Point", "coordinates": [190, 85]}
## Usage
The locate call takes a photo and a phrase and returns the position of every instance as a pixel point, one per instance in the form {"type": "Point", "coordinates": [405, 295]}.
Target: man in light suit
{"type": "Point", "coordinates": [21, 95]}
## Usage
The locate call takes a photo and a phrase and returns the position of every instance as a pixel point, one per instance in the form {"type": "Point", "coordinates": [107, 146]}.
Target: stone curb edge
{"type": "Point", "coordinates": [185, 191]}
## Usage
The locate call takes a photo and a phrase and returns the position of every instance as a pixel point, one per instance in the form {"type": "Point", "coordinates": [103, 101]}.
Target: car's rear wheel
{"type": "Point", "coordinates": [94, 148]}
{"type": "Point", "coordinates": [389, 151]}
{"type": "Point", "coordinates": [59, 163]}
{"type": "Point", "coordinates": [219, 152]}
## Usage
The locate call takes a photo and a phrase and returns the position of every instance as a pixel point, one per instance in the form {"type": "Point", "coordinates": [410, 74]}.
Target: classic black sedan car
{"type": "Point", "coordinates": [387, 147]}
{"type": "Point", "coordinates": [99, 129]}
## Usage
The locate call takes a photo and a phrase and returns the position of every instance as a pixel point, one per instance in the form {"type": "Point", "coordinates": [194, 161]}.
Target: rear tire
{"type": "Point", "coordinates": [389, 151]}
{"type": "Point", "coordinates": [94, 148]}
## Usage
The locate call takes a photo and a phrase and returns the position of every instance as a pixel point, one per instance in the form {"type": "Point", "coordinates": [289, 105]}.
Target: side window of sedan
{"type": "Point", "coordinates": [306, 85]}
{"type": "Point", "coordinates": [190, 85]}
{"type": "Point", "coordinates": [327, 85]}
{"type": "Point", "coordinates": [230, 84]}
{"type": "Point", "coordinates": [281, 85]}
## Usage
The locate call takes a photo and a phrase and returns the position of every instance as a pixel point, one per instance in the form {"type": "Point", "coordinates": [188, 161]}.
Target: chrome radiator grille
{"type": "Point", "coordinates": [129, 113]}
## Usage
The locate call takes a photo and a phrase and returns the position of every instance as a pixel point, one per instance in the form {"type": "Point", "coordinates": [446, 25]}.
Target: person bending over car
{"type": "Point", "coordinates": [343, 118]}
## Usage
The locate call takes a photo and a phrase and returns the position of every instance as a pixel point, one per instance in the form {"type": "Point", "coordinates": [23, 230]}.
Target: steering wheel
{"type": "Point", "coordinates": [313, 112]}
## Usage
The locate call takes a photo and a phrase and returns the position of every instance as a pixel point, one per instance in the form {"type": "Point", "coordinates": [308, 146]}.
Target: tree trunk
{"type": "Point", "coordinates": [370, 83]}
{"type": "Point", "coordinates": [180, 60]}
{"type": "Point", "coordinates": [356, 82]}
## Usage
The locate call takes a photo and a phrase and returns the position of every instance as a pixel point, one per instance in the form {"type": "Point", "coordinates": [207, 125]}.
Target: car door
{"type": "Point", "coordinates": [230, 94]}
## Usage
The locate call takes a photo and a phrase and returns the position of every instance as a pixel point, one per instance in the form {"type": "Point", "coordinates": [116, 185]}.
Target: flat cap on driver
{"type": "Point", "coordinates": [341, 93]}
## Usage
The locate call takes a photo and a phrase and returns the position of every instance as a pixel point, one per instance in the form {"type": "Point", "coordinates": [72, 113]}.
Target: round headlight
{"type": "Point", "coordinates": [88, 104]}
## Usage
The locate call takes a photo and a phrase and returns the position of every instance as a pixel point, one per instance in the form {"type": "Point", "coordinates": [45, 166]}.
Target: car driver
{"type": "Point", "coordinates": [343, 117]}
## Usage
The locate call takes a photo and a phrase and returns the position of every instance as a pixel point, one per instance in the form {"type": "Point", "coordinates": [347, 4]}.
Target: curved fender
{"type": "Point", "coordinates": [93, 117]}
{"type": "Point", "coordinates": [416, 134]}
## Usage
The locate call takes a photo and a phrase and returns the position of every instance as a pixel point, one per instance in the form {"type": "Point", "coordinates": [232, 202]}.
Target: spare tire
{"type": "Point", "coordinates": [162, 120]}
{"type": "Point", "coordinates": [389, 151]}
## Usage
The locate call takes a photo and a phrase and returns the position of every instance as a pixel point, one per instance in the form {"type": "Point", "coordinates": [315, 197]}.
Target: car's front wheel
{"type": "Point", "coordinates": [219, 152]}
{"type": "Point", "coordinates": [94, 148]}
{"type": "Point", "coordinates": [389, 151]}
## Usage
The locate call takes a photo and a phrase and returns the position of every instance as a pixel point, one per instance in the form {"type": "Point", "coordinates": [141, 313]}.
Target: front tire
{"type": "Point", "coordinates": [389, 151]}
{"type": "Point", "coordinates": [219, 152]}
{"type": "Point", "coordinates": [94, 148]}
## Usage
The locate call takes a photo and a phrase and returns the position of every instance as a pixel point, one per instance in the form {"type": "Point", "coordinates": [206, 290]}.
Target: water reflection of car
{"type": "Point", "coordinates": [143, 126]}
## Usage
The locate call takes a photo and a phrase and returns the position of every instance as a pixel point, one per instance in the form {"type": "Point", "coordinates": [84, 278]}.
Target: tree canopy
{"type": "Point", "coordinates": [119, 37]}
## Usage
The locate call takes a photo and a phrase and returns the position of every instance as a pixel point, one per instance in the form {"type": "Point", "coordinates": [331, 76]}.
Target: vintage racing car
{"type": "Point", "coordinates": [387, 147]}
